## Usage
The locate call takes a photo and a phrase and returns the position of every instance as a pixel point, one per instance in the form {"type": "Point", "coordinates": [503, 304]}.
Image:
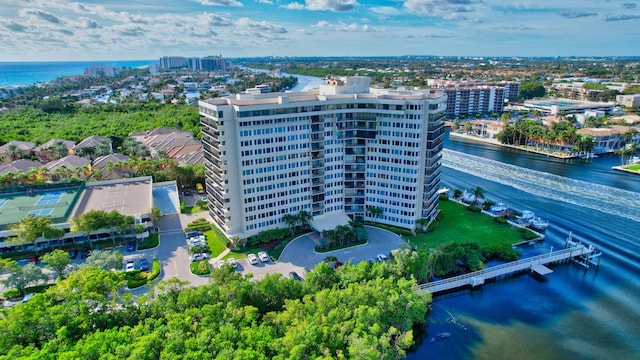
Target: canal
{"type": "Point", "coordinates": [571, 313]}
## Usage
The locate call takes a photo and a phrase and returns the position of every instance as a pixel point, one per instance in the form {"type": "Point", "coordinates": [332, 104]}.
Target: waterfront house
{"type": "Point", "coordinates": [608, 139]}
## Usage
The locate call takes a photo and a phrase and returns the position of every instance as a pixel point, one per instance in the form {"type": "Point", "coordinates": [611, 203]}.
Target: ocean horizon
{"type": "Point", "coordinates": [30, 73]}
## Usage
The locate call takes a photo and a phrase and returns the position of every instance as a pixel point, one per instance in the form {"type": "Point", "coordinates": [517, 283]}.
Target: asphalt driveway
{"type": "Point", "coordinates": [300, 253]}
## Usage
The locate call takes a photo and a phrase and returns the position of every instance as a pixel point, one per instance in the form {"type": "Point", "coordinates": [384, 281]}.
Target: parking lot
{"type": "Point", "coordinates": [299, 254]}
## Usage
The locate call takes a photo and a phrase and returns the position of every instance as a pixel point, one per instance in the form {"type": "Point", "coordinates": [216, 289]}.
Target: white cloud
{"type": "Point", "coordinates": [294, 6]}
{"type": "Point", "coordinates": [386, 11]}
{"type": "Point", "coordinates": [219, 2]}
{"type": "Point", "coordinates": [324, 5]}
{"type": "Point", "coordinates": [340, 26]}
{"type": "Point", "coordinates": [447, 9]}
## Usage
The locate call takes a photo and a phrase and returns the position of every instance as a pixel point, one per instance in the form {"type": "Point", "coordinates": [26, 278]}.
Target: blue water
{"type": "Point", "coordinates": [571, 313]}
{"type": "Point", "coordinates": [29, 73]}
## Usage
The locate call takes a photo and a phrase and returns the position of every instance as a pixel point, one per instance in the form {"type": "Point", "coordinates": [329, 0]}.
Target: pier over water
{"type": "Point", "coordinates": [579, 253]}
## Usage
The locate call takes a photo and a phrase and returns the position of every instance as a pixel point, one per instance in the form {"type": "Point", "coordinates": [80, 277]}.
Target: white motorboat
{"type": "Point", "coordinates": [539, 224]}
{"type": "Point", "coordinates": [527, 215]}
{"type": "Point", "coordinates": [499, 208]}
{"type": "Point", "coordinates": [444, 190]}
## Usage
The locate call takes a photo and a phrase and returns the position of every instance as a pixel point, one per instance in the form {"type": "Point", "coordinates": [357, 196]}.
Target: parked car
{"type": "Point", "coordinates": [232, 262]}
{"type": "Point", "coordinates": [199, 256]}
{"type": "Point", "coordinates": [186, 192]}
{"type": "Point", "coordinates": [73, 253]}
{"type": "Point", "coordinates": [34, 259]}
{"type": "Point", "coordinates": [129, 266]}
{"type": "Point", "coordinates": [143, 265]}
{"type": "Point", "coordinates": [294, 275]}
{"type": "Point", "coordinates": [263, 256]}
{"type": "Point", "coordinates": [381, 257]}
{"type": "Point", "coordinates": [85, 254]}
{"type": "Point", "coordinates": [192, 233]}
{"type": "Point", "coordinates": [253, 259]}
{"type": "Point", "coordinates": [220, 264]}
{"type": "Point", "coordinates": [131, 246]}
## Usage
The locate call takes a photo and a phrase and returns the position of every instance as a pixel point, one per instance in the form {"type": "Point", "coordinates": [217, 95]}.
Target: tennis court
{"type": "Point", "coordinates": [56, 203]}
{"type": "Point", "coordinates": [41, 212]}
{"type": "Point", "coordinates": [50, 198]}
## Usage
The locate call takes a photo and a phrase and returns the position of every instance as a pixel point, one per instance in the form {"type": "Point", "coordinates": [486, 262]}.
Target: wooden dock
{"type": "Point", "coordinates": [581, 254]}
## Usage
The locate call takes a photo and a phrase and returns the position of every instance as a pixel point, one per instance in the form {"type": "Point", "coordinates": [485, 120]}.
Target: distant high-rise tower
{"type": "Point", "coordinates": [334, 152]}
{"type": "Point", "coordinates": [173, 62]}
{"type": "Point", "coordinates": [213, 63]}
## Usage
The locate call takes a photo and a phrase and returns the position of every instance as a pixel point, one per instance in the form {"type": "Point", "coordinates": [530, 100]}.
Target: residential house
{"type": "Point", "coordinates": [69, 167]}
{"type": "Point", "coordinates": [173, 142]}
{"type": "Point", "coordinates": [608, 139]}
{"type": "Point", "coordinates": [24, 165]}
{"type": "Point", "coordinates": [45, 151]}
{"type": "Point", "coordinates": [94, 142]}
{"type": "Point", "coordinates": [107, 165]}
{"type": "Point", "coordinates": [16, 149]}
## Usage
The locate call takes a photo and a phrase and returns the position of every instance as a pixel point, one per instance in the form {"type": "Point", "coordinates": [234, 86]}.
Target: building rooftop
{"type": "Point", "coordinates": [127, 196]}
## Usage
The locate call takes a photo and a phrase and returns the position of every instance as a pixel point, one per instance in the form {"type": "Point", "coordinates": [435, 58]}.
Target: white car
{"type": "Point", "coordinates": [199, 256]}
{"type": "Point", "coordinates": [129, 266]}
{"type": "Point", "coordinates": [232, 262]}
{"type": "Point", "coordinates": [253, 259]}
{"type": "Point", "coordinates": [381, 257]}
{"type": "Point", "coordinates": [220, 264]}
{"type": "Point", "coordinates": [264, 257]}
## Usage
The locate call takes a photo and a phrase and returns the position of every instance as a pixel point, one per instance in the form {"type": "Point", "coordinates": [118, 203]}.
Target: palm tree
{"type": "Point", "coordinates": [12, 152]}
{"type": "Point", "coordinates": [478, 192]}
{"type": "Point", "coordinates": [623, 151]}
{"type": "Point", "coordinates": [58, 150]}
{"type": "Point", "coordinates": [457, 193]}
{"type": "Point", "coordinates": [103, 148]}
{"type": "Point", "coordinates": [87, 151]}
{"type": "Point", "coordinates": [304, 217]}
{"type": "Point", "coordinates": [291, 221]}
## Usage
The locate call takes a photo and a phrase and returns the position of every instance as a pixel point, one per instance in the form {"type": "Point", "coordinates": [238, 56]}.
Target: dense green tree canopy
{"type": "Point", "coordinates": [36, 125]}
{"type": "Point", "coordinates": [353, 312]}
{"type": "Point", "coordinates": [532, 89]}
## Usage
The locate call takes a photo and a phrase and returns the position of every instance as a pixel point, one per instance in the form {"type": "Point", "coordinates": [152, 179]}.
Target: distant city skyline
{"type": "Point", "coordinates": [63, 30]}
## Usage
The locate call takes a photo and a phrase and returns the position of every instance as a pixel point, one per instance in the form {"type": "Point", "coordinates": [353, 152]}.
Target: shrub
{"type": "Point", "coordinates": [12, 294]}
{"type": "Point", "coordinates": [500, 220]}
{"type": "Point", "coordinates": [155, 270]}
{"type": "Point", "coordinates": [439, 216]}
{"type": "Point", "coordinates": [136, 283]}
{"type": "Point", "coordinates": [503, 252]}
{"type": "Point", "coordinates": [443, 197]}
{"type": "Point", "coordinates": [396, 230]}
{"type": "Point", "coordinates": [149, 243]}
{"type": "Point", "coordinates": [201, 267]}
{"type": "Point", "coordinates": [473, 209]}
{"type": "Point", "coordinates": [432, 227]}
{"type": "Point", "coordinates": [322, 249]}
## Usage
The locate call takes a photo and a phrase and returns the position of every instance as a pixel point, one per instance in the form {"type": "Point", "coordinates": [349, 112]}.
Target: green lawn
{"type": "Point", "coordinates": [216, 245]}
{"type": "Point", "coordinates": [460, 225]}
{"type": "Point", "coordinates": [635, 167]}
{"type": "Point", "coordinates": [191, 209]}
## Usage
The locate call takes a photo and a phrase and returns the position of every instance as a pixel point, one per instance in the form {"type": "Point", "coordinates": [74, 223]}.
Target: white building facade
{"type": "Point", "coordinates": [339, 149]}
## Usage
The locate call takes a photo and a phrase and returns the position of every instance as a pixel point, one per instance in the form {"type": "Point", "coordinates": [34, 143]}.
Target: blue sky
{"type": "Point", "coordinates": [52, 30]}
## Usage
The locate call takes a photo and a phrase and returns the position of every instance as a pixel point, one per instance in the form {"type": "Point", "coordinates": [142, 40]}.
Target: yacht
{"type": "Point", "coordinates": [539, 224]}
{"type": "Point", "coordinates": [499, 208]}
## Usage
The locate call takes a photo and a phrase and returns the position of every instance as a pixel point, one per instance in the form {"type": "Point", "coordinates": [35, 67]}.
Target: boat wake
{"type": "Point", "coordinates": [593, 196]}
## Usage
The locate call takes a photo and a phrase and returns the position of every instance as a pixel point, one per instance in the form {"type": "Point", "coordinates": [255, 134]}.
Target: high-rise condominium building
{"type": "Point", "coordinates": [338, 150]}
